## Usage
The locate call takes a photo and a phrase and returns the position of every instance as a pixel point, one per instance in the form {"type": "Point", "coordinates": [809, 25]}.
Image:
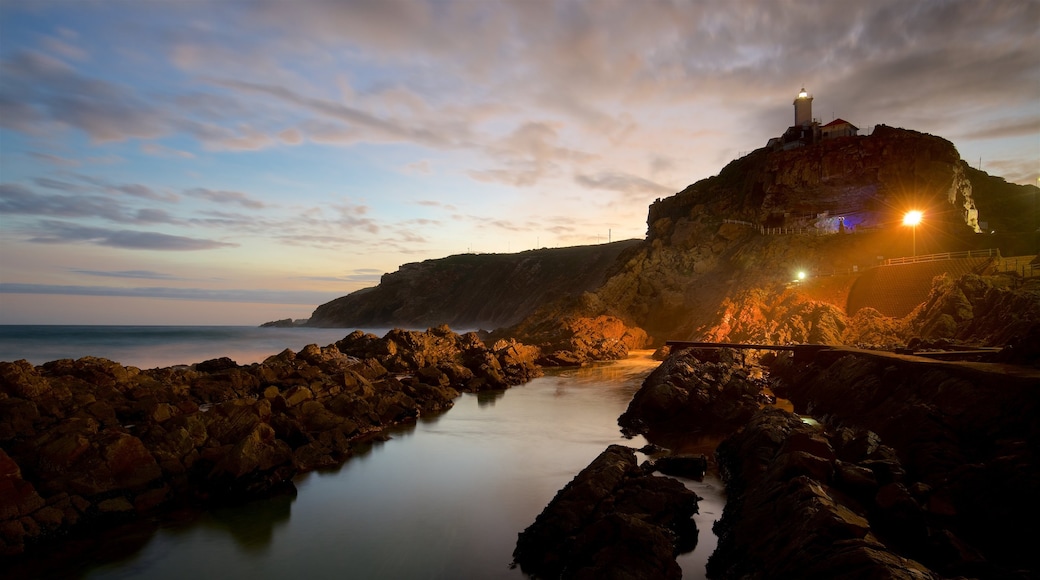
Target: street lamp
{"type": "Point", "coordinates": [912, 218]}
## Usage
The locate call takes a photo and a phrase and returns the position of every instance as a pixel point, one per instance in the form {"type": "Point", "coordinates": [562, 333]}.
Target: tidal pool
{"type": "Point", "coordinates": [444, 498]}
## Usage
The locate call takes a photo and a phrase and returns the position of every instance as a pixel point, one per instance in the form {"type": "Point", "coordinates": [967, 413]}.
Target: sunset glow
{"type": "Point", "coordinates": [233, 162]}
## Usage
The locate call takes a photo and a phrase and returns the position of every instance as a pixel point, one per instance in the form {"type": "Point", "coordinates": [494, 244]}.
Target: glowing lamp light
{"type": "Point", "coordinates": [801, 275]}
{"type": "Point", "coordinates": [802, 95]}
{"type": "Point", "coordinates": [912, 218]}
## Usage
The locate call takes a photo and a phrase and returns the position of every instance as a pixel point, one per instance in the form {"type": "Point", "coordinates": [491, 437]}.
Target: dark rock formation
{"type": "Point", "coordinates": [800, 506]}
{"type": "Point", "coordinates": [966, 437]}
{"type": "Point", "coordinates": [703, 391]}
{"type": "Point", "coordinates": [473, 290]}
{"type": "Point", "coordinates": [283, 323]}
{"type": "Point", "coordinates": [911, 468]}
{"type": "Point", "coordinates": [90, 441]}
{"type": "Point", "coordinates": [1021, 349]}
{"type": "Point", "coordinates": [613, 520]}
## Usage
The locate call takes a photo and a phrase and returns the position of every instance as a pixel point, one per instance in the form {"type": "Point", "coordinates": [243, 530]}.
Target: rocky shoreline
{"type": "Point", "coordinates": [909, 468]}
{"type": "Point", "coordinates": [890, 466]}
{"type": "Point", "coordinates": [88, 443]}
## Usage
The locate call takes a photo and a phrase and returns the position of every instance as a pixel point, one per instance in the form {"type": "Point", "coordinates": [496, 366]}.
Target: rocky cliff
{"type": "Point", "coordinates": [719, 256]}
{"type": "Point", "coordinates": [473, 290]}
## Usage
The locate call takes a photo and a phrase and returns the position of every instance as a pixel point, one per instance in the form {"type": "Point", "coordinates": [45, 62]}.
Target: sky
{"type": "Point", "coordinates": [235, 162]}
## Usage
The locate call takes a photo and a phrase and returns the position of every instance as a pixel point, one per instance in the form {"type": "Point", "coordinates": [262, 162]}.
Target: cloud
{"type": "Point", "coordinates": [142, 191]}
{"type": "Point", "coordinates": [435, 203]}
{"type": "Point", "coordinates": [76, 201]}
{"type": "Point", "coordinates": [53, 159]}
{"type": "Point", "coordinates": [42, 89]}
{"type": "Point", "coordinates": [421, 167]}
{"type": "Point", "coordinates": [232, 197]}
{"type": "Point", "coordinates": [622, 182]}
{"type": "Point", "coordinates": [20, 200]}
{"type": "Point", "coordinates": [257, 296]}
{"type": "Point", "coordinates": [62, 233]}
{"type": "Point", "coordinates": [160, 150]}
{"type": "Point", "coordinates": [57, 184]}
{"type": "Point", "coordinates": [136, 274]}
{"type": "Point", "coordinates": [1013, 128]}
{"type": "Point", "coordinates": [356, 275]}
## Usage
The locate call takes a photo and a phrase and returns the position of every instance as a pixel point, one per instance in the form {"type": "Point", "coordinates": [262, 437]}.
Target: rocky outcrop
{"type": "Point", "coordinates": [966, 438]}
{"type": "Point", "coordinates": [696, 391]}
{"type": "Point", "coordinates": [575, 339]}
{"type": "Point", "coordinates": [91, 441]}
{"type": "Point", "coordinates": [442, 356]}
{"type": "Point", "coordinates": [802, 504]}
{"type": "Point", "coordinates": [895, 467]}
{"type": "Point", "coordinates": [970, 309]}
{"type": "Point", "coordinates": [283, 323]}
{"type": "Point", "coordinates": [989, 310]}
{"type": "Point", "coordinates": [473, 290]}
{"type": "Point", "coordinates": [613, 520]}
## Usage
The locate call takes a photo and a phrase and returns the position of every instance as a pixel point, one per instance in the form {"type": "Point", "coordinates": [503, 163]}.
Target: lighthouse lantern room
{"type": "Point", "coordinates": [803, 109]}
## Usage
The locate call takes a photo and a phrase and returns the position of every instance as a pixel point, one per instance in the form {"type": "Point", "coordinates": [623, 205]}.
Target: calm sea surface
{"type": "Point", "coordinates": [444, 498]}
{"type": "Point", "coordinates": [160, 346]}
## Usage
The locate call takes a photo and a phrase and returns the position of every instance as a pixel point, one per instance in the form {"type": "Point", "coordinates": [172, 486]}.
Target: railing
{"type": "Point", "coordinates": [738, 222]}
{"type": "Point", "coordinates": [779, 231]}
{"type": "Point", "coordinates": [1021, 265]}
{"type": "Point", "coordinates": [785, 231]}
{"type": "Point", "coordinates": [991, 253]}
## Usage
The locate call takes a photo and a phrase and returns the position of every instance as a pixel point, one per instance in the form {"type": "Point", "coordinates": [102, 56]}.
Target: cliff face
{"type": "Point", "coordinates": [473, 290]}
{"type": "Point", "coordinates": [720, 256]}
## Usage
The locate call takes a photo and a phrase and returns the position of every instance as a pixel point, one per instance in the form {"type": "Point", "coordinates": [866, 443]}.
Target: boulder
{"type": "Point", "coordinates": [687, 394]}
{"type": "Point", "coordinates": [613, 520]}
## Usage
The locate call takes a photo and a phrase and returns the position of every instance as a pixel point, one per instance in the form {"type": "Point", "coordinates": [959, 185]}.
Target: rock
{"type": "Point", "coordinates": [613, 520]}
{"type": "Point", "coordinates": [685, 393]}
{"type": "Point", "coordinates": [784, 522]}
{"type": "Point", "coordinates": [17, 497]}
{"type": "Point", "coordinates": [215, 365]}
{"type": "Point", "coordinates": [253, 467]}
{"type": "Point", "coordinates": [472, 290]}
{"type": "Point", "coordinates": [283, 323]}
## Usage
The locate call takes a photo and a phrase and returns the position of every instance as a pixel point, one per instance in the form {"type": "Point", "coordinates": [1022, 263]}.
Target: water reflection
{"type": "Point", "coordinates": [253, 529]}
{"type": "Point", "coordinates": [488, 398]}
{"type": "Point", "coordinates": [444, 498]}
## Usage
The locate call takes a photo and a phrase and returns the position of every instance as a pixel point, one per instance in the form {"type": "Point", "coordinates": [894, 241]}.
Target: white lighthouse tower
{"type": "Point", "coordinates": [803, 109]}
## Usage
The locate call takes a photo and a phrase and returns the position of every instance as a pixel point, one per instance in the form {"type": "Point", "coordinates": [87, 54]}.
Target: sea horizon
{"type": "Point", "coordinates": [156, 346]}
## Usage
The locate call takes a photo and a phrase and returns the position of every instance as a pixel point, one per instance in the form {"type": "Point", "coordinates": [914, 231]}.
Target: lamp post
{"type": "Point", "coordinates": [912, 218]}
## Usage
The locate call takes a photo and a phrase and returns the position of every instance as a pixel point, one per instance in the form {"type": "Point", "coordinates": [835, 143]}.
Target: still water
{"type": "Point", "coordinates": [159, 346]}
{"type": "Point", "coordinates": [443, 498]}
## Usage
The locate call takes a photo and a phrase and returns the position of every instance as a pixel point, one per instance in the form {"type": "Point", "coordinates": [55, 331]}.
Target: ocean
{"type": "Point", "coordinates": [148, 347]}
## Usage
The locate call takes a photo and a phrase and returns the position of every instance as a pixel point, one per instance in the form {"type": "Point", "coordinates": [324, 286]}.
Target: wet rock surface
{"type": "Point", "coordinates": [613, 520]}
{"type": "Point", "coordinates": [89, 442]}
{"type": "Point", "coordinates": [910, 468]}
{"type": "Point", "coordinates": [696, 390]}
{"type": "Point", "coordinates": [802, 506]}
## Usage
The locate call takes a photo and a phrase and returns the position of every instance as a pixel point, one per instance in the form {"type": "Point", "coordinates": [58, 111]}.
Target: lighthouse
{"type": "Point", "coordinates": [803, 109]}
